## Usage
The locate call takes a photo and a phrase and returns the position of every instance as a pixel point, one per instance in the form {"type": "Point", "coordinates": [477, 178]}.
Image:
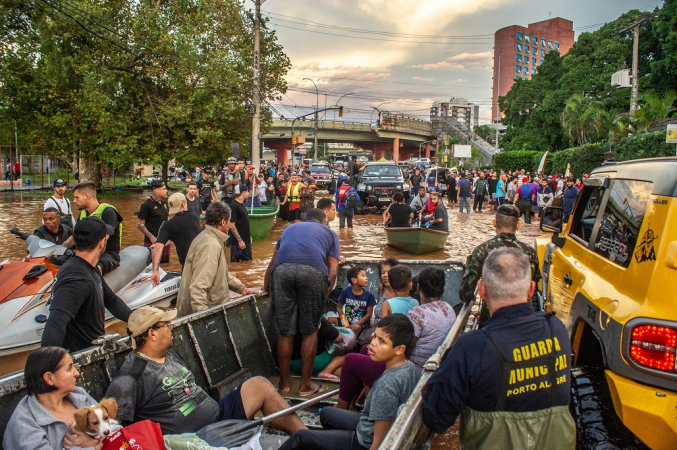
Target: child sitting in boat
{"type": "Point", "coordinates": [356, 303]}
{"type": "Point", "coordinates": [391, 344]}
{"type": "Point", "coordinates": [398, 214]}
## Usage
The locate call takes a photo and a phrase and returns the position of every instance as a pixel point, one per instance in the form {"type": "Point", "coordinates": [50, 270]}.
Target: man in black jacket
{"type": "Point", "coordinates": [511, 378]}
{"type": "Point", "coordinates": [52, 229]}
{"type": "Point", "coordinates": [80, 295]}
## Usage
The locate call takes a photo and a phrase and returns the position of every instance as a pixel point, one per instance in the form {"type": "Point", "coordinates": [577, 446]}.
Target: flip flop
{"type": "Point", "coordinates": [320, 388]}
{"type": "Point", "coordinates": [328, 376]}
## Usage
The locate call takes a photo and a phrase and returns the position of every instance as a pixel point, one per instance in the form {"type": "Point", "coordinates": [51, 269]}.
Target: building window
{"type": "Point", "coordinates": [526, 70]}
{"type": "Point", "coordinates": [540, 62]}
{"type": "Point", "coordinates": [550, 44]}
{"type": "Point", "coordinates": [534, 49]}
{"type": "Point", "coordinates": [533, 61]}
{"type": "Point", "coordinates": [517, 77]}
{"type": "Point", "coordinates": [533, 71]}
{"type": "Point", "coordinates": [535, 39]}
{"type": "Point", "coordinates": [542, 52]}
{"type": "Point", "coordinates": [519, 47]}
{"type": "Point", "coordinates": [519, 35]}
{"type": "Point", "coordinates": [526, 49]}
{"type": "Point", "coordinates": [557, 45]}
{"type": "Point", "coordinates": [542, 42]}
{"type": "Point", "coordinates": [518, 68]}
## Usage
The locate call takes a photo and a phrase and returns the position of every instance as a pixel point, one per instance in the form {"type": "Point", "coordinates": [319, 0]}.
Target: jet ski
{"type": "Point", "coordinates": [25, 288]}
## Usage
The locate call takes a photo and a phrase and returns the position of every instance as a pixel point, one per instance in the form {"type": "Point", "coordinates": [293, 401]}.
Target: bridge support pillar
{"type": "Point", "coordinates": [427, 150]}
{"type": "Point", "coordinates": [396, 148]}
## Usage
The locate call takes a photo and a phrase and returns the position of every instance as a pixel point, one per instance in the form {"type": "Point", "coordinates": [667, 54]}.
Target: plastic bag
{"type": "Point", "coordinates": [143, 435]}
{"type": "Point", "coordinates": [346, 345]}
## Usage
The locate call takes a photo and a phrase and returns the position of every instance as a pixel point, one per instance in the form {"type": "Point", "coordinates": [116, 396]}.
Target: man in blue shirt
{"type": "Point", "coordinates": [464, 192]}
{"type": "Point", "coordinates": [300, 275]}
{"type": "Point", "coordinates": [501, 190]}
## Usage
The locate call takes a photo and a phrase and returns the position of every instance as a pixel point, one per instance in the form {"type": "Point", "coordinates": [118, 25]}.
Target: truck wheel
{"type": "Point", "coordinates": [597, 425]}
{"type": "Point", "coordinates": [361, 207]}
{"type": "Point", "coordinates": [332, 187]}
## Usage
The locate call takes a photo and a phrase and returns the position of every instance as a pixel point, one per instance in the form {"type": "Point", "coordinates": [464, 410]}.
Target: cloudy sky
{"type": "Point", "coordinates": [406, 54]}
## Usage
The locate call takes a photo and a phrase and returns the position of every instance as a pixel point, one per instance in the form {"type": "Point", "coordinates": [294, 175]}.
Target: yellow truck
{"type": "Point", "coordinates": [610, 274]}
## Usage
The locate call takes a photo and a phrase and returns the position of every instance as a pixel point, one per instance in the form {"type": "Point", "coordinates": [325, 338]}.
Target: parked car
{"type": "Point", "coordinates": [440, 174]}
{"type": "Point", "coordinates": [323, 175]}
{"type": "Point", "coordinates": [607, 275]}
{"type": "Point", "coordinates": [377, 183]}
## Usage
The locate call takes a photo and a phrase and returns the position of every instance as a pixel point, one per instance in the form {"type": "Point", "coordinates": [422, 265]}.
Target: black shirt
{"type": "Point", "coordinates": [58, 238]}
{"type": "Point", "coordinates": [493, 182]}
{"type": "Point", "coordinates": [154, 213]}
{"type": "Point", "coordinates": [440, 213]}
{"type": "Point", "coordinates": [325, 336]}
{"type": "Point", "coordinates": [205, 188]}
{"type": "Point", "coordinates": [416, 180]}
{"type": "Point", "coordinates": [77, 306]}
{"type": "Point", "coordinates": [194, 205]}
{"type": "Point", "coordinates": [112, 218]}
{"type": "Point", "coordinates": [400, 215]}
{"type": "Point", "coordinates": [181, 230]}
{"type": "Point", "coordinates": [240, 217]}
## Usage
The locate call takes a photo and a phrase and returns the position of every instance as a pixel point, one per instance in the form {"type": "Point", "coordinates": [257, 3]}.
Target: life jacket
{"type": "Point", "coordinates": [294, 192]}
{"type": "Point", "coordinates": [429, 206]}
{"type": "Point", "coordinates": [67, 216]}
{"type": "Point", "coordinates": [342, 194]}
{"type": "Point", "coordinates": [48, 236]}
{"type": "Point", "coordinates": [97, 213]}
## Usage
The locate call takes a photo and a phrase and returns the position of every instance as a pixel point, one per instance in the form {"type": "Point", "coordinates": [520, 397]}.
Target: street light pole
{"type": "Point", "coordinates": [317, 107]}
{"type": "Point", "coordinates": [256, 94]}
{"type": "Point", "coordinates": [376, 109]}
{"type": "Point", "coordinates": [498, 93]}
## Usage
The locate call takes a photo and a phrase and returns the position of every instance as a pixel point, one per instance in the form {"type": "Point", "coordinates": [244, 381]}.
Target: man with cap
{"type": "Point", "coordinates": [506, 224]}
{"type": "Point", "coordinates": [152, 214]}
{"type": "Point", "coordinates": [205, 281]}
{"type": "Point", "coordinates": [52, 229]}
{"type": "Point", "coordinates": [569, 197]}
{"type": "Point", "coordinates": [180, 229]}
{"type": "Point", "coordinates": [228, 180]}
{"type": "Point", "coordinates": [80, 294]}
{"type": "Point", "coordinates": [84, 197]}
{"type": "Point", "coordinates": [154, 384]}
{"type": "Point", "coordinates": [61, 203]}
{"type": "Point", "coordinates": [240, 237]}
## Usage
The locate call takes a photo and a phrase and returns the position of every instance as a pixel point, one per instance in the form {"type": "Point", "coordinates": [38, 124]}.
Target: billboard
{"type": "Point", "coordinates": [462, 151]}
{"type": "Point", "coordinates": [671, 134]}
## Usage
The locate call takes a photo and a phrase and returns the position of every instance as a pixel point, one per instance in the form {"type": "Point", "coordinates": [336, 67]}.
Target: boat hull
{"type": "Point", "coordinates": [416, 241]}
{"type": "Point", "coordinates": [261, 221]}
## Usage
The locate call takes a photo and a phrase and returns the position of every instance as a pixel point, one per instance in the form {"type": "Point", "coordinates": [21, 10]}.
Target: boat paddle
{"type": "Point", "coordinates": [234, 432]}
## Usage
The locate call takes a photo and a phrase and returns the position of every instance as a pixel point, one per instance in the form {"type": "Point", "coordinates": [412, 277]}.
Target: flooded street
{"type": "Point", "coordinates": [365, 240]}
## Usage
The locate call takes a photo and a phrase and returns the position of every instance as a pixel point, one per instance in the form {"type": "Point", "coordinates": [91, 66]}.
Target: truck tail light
{"type": "Point", "coordinates": [654, 346]}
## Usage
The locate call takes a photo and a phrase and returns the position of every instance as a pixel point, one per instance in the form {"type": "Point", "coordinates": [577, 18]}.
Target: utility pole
{"type": "Point", "coordinates": [317, 108]}
{"type": "Point", "coordinates": [256, 94]}
{"type": "Point", "coordinates": [634, 89]}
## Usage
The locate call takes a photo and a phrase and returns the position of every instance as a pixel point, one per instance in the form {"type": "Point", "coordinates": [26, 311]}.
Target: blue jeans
{"type": "Point", "coordinates": [464, 201]}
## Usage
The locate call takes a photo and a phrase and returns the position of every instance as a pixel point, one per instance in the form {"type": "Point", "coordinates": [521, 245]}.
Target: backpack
{"type": "Point", "coordinates": [350, 199]}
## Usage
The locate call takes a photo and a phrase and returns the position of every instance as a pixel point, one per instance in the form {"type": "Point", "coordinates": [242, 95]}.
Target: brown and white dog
{"type": "Point", "coordinates": [97, 420]}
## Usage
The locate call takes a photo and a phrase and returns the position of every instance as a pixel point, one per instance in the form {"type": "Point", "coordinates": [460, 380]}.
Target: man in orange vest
{"type": "Point", "coordinates": [294, 199]}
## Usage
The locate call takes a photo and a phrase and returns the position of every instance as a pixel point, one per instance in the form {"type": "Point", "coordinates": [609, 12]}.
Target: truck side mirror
{"type": "Point", "coordinates": [551, 219]}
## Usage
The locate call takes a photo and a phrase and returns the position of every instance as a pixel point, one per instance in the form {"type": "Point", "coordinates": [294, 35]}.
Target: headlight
{"type": "Point", "coordinates": [370, 188]}
{"type": "Point", "coordinates": [406, 186]}
{"type": "Point", "coordinates": [360, 186]}
{"type": "Point", "coordinates": [399, 187]}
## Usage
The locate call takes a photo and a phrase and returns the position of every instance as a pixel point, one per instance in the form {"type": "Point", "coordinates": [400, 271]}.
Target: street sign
{"type": "Point", "coordinates": [671, 134]}
{"type": "Point", "coordinates": [302, 151]}
{"type": "Point", "coordinates": [462, 151]}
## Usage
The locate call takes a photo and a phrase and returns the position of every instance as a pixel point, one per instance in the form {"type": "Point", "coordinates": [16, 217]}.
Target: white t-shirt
{"type": "Point", "coordinates": [63, 205]}
{"type": "Point", "coordinates": [262, 191]}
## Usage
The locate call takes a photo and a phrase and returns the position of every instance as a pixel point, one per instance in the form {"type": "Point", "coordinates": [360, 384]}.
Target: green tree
{"type": "Point", "coordinates": [580, 116]}
{"type": "Point", "coordinates": [655, 109]}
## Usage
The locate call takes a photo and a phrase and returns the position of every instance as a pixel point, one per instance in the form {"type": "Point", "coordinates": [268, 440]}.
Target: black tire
{"type": "Point", "coordinates": [332, 187]}
{"type": "Point", "coordinates": [361, 208]}
{"type": "Point", "coordinates": [597, 425]}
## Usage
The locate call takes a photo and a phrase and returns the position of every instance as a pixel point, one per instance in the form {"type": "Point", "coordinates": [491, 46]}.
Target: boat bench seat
{"type": "Point", "coordinates": [133, 260]}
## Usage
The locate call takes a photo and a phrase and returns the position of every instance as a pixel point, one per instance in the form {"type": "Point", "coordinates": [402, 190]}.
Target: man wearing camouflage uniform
{"type": "Point", "coordinates": [506, 224]}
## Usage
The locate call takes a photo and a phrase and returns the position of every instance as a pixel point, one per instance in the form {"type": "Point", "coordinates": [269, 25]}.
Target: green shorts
{"type": "Point", "coordinates": [320, 363]}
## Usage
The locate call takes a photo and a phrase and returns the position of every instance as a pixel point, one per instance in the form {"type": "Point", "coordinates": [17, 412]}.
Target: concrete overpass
{"type": "Point", "coordinates": [395, 137]}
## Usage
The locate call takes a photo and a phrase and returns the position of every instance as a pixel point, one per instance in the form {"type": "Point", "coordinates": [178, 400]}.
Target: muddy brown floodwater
{"type": "Point", "coordinates": [365, 240]}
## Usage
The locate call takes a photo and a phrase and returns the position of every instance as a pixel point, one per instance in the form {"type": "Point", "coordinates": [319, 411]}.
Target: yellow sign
{"type": "Point", "coordinates": [446, 158]}
{"type": "Point", "coordinates": [671, 134]}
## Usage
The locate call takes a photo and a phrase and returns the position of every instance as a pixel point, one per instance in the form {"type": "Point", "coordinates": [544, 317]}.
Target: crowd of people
{"type": "Point", "coordinates": [379, 340]}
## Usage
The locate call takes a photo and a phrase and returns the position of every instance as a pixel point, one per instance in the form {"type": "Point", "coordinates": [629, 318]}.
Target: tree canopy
{"type": "Point", "coordinates": [117, 81]}
{"type": "Point", "coordinates": [570, 101]}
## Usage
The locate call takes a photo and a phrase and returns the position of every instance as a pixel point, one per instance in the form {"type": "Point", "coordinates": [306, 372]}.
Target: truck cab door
{"type": "Point", "coordinates": [568, 262]}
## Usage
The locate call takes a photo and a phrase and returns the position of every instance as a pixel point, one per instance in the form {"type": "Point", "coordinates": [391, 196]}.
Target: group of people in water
{"type": "Point", "coordinates": [510, 379]}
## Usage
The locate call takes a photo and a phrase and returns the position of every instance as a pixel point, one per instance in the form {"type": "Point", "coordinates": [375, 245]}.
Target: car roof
{"type": "Point", "coordinates": [662, 172]}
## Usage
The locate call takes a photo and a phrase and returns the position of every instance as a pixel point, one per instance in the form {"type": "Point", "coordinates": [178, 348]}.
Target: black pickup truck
{"type": "Point", "coordinates": [377, 183]}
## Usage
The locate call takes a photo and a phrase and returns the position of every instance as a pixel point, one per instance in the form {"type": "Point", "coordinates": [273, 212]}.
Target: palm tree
{"type": "Point", "coordinates": [580, 116]}
{"type": "Point", "coordinates": [655, 109]}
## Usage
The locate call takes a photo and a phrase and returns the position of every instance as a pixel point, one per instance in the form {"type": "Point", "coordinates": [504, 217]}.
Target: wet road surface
{"type": "Point", "coordinates": [365, 240]}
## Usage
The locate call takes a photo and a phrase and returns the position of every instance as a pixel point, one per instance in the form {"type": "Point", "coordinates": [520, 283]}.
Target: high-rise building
{"type": "Point", "coordinates": [518, 51]}
{"type": "Point", "coordinates": [460, 109]}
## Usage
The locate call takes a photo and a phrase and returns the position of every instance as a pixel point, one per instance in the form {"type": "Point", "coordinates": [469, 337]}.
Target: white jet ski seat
{"type": "Point", "coordinates": [133, 260]}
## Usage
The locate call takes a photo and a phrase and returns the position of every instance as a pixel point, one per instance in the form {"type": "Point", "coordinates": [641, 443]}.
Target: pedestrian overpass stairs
{"type": "Point", "coordinates": [455, 129]}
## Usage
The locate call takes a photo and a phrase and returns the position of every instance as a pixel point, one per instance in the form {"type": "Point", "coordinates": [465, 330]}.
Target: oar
{"type": "Point", "coordinates": [230, 428]}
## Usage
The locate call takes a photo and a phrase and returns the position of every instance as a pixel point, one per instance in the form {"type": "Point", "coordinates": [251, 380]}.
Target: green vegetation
{"type": "Point", "coordinates": [113, 82]}
{"type": "Point", "coordinates": [571, 102]}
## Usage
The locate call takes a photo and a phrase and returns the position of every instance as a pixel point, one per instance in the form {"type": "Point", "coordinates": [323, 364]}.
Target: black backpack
{"type": "Point", "coordinates": [351, 199]}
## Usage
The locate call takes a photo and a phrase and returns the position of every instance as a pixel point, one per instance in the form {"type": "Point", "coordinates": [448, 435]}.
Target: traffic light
{"type": "Point", "coordinates": [340, 111]}
{"type": "Point", "coordinates": [294, 138]}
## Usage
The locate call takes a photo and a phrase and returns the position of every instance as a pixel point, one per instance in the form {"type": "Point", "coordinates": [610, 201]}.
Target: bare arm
{"type": "Point", "coordinates": [386, 215]}
{"type": "Point", "coordinates": [266, 278]}
{"type": "Point", "coordinates": [381, 428]}
{"type": "Point", "coordinates": [157, 254]}
{"type": "Point", "coordinates": [141, 225]}
{"type": "Point", "coordinates": [332, 264]}
{"type": "Point", "coordinates": [385, 310]}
